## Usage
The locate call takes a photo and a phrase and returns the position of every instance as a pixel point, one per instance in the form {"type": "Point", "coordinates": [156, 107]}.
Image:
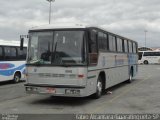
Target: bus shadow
{"type": "Point", "coordinates": [63, 101]}
{"type": "Point", "coordinates": [118, 86]}
{"type": "Point", "coordinates": [10, 82]}
{"type": "Point", "coordinates": [75, 101]}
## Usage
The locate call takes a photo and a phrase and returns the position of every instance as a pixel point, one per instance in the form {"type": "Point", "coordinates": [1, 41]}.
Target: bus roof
{"type": "Point", "coordinates": [72, 25]}
{"type": "Point", "coordinates": [148, 51]}
{"type": "Point", "coordinates": [10, 43]}
{"type": "Point", "coordinates": [59, 26]}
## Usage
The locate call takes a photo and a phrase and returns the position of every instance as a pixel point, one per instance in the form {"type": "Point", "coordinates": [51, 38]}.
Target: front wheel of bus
{"type": "Point", "coordinates": [146, 62]}
{"type": "Point", "coordinates": [16, 78]}
{"type": "Point", "coordinates": [98, 88]}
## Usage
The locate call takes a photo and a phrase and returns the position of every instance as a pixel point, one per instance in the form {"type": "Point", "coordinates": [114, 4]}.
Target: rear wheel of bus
{"type": "Point", "coordinates": [130, 76]}
{"type": "Point", "coordinates": [17, 77]}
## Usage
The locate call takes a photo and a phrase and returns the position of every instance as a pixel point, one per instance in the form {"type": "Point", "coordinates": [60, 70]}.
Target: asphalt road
{"type": "Point", "coordinates": [141, 96]}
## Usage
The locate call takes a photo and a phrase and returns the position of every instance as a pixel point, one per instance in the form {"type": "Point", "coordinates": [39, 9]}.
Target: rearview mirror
{"type": "Point", "coordinates": [21, 43]}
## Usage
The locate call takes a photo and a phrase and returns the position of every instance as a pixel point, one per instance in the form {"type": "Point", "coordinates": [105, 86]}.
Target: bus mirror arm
{"type": "Point", "coordinates": [21, 43]}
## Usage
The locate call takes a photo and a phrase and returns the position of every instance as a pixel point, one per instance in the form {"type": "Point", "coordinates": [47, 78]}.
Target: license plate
{"type": "Point", "coordinates": [50, 90]}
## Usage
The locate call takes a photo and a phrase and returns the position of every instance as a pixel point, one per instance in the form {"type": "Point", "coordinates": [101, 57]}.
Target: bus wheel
{"type": "Point", "coordinates": [145, 62]}
{"type": "Point", "coordinates": [98, 88]}
{"type": "Point", "coordinates": [130, 76]}
{"type": "Point", "coordinates": [16, 77]}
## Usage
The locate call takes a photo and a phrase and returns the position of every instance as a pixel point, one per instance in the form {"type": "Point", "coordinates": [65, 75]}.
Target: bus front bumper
{"type": "Point", "coordinates": [57, 90]}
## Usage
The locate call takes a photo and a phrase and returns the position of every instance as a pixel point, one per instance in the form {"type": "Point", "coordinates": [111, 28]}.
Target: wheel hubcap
{"type": "Point", "coordinates": [16, 78]}
{"type": "Point", "coordinates": [130, 77]}
{"type": "Point", "coordinates": [99, 87]}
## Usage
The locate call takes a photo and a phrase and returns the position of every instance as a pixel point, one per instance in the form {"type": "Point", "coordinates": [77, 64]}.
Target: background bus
{"type": "Point", "coordinates": [149, 57]}
{"type": "Point", "coordinates": [77, 60]}
{"type": "Point", "coordinates": [12, 61]}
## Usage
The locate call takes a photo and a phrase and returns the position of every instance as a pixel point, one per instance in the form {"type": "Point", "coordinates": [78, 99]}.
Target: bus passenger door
{"type": "Point", "coordinates": [92, 74]}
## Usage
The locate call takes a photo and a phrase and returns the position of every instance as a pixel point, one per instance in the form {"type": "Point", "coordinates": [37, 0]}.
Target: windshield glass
{"type": "Point", "coordinates": [40, 43]}
{"type": "Point", "coordinates": [57, 48]}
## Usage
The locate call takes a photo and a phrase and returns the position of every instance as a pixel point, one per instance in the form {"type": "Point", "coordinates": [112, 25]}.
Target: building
{"type": "Point", "coordinates": [145, 49]}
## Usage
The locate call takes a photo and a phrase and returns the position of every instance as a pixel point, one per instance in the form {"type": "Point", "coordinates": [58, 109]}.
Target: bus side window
{"type": "Point", "coordinates": [93, 42]}
{"type": "Point", "coordinates": [1, 53]}
{"type": "Point", "coordinates": [10, 53]}
{"type": "Point", "coordinates": [140, 55]}
{"type": "Point", "coordinates": [93, 47]}
{"type": "Point", "coordinates": [134, 48]}
{"type": "Point", "coordinates": [119, 45]}
{"type": "Point", "coordinates": [101, 41]}
{"type": "Point", "coordinates": [105, 42]}
{"type": "Point", "coordinates": [22, 53]}
{"type": "Point", "coordinates": [146, 54]}
{"type": "Point", "coordinates": [126, 46]}
{"type": "Point", "coordinates": [130, 47]}
{"type": "Point", "coordinates": [157, 53]}
{"type": "Point", "coordinates": [112, 43]}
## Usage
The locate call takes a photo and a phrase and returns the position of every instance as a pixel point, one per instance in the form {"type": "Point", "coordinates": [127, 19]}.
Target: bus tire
{"type": "Point", "coordinates": [17, 77]}
{"type": "Point", "coordinates": [130, 76]}
{"type": "Point", "coordinates": [99, 88]}
{"type": "Point", "coordinates": [145, 62]}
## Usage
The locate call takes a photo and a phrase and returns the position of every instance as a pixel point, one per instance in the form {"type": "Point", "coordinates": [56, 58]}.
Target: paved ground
{"type": "Point", "coordinates": [142, 96]}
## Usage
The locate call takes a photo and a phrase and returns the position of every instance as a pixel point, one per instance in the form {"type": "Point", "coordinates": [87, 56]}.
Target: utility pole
{"type": "Point", "coordinates": [145, 37]}
{"type": "Point", "coordinates": [50, 7]}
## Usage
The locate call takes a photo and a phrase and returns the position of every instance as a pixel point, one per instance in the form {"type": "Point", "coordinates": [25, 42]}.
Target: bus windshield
{"type": "Point", "coordinates": [57, 48]}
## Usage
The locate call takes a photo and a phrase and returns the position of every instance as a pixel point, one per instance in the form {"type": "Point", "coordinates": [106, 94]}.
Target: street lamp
{"type": "Point", "coordinates": [145, 37]}
{"type": "Point", "coordinates": [50, 9]}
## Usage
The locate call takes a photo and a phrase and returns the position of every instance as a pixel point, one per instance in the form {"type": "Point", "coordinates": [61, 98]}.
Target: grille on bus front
{"type": "Point", "coordinates": [57, 75]}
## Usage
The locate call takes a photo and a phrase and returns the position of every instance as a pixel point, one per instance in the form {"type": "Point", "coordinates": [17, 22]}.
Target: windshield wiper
{"type": "Point", "coordinates": [37, 62]}
{"type": "Point", "coordinates": [53, 54]}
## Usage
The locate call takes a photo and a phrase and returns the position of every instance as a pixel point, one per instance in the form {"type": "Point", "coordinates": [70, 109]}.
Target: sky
{"type": "Point", "coordinates": [129, 18]}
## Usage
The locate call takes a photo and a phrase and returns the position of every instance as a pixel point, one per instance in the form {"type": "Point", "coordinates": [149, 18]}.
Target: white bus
{"type": "Point", "coordinates": [12, 61]}
{"type": "Point", "coordinates": [76, 60]}
{"type": "Point", "coordinates": [149, 57]}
